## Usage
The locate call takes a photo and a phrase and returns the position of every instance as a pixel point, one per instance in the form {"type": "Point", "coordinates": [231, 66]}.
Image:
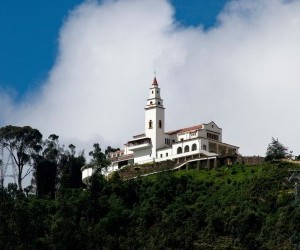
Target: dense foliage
{"type": "Point", "coordinates": [230, 207]}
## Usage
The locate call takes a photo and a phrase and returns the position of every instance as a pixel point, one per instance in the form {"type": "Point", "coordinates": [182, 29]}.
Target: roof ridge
{"type": "Point", "coordinates": [185, 129]}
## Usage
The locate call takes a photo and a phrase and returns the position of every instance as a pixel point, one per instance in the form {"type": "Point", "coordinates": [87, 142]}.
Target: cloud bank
{"type": "Point", "coordinates": [243, 74]}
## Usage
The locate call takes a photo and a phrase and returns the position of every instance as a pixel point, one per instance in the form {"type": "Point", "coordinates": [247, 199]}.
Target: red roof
{"type": "Point", "coordinates": [189, 129]}
{"type": "Point", "coordinates": [155, 82]}
{"type": "Point", "coordinates": [122, 157]}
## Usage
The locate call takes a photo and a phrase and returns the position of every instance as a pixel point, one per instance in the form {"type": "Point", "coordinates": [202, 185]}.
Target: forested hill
{"type": "Point", "coordinates": [238, 207]}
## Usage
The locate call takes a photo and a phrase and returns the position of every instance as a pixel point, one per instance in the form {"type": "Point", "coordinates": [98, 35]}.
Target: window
{"type": "Point", "coordinates": [160, 155]}
{"type": "Point", "coordinates": [151, 102]}
{"type": "Point", "coordinates": [167, 154]}
{"type": "Point", "coordinates": [158, 103]}
{"type": "Point", "coordinates": [159, 124]}
{"type": "Point", "coordinates": [179, 150]}
{"type": "Point", "coordinates": [157, 91]}
{"type": "Point", "coordinates": [152, 91]}
{"type": "Point", "coordinates": [186, 148]}
{"type": "Point", "coordinates": [150, 124]}
{"type": "Point", "coordinates": [204, 147]}
{"type": "Point", "coordinates": [194, 147]}
{"type": "Point", "coordinates": [212, 136]}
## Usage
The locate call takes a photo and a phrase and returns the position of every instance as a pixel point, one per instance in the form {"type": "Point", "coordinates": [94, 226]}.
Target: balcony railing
{"type": "Point", "coordinates": [139, 144]}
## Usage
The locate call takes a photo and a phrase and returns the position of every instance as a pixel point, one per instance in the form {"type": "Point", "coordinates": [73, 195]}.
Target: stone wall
{"type": "Point", "coordinates": [251, 160]}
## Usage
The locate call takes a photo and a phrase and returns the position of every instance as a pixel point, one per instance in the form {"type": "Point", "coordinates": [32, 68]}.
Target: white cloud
{"type": "Point", "coordinates": [243, 74]}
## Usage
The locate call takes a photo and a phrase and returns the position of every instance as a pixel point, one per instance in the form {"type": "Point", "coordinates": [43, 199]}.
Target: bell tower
{"type": "Point", "coordinates": [155, 118]}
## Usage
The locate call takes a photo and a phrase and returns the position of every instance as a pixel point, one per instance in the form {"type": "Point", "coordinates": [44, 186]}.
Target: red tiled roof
{"type": "Point", "coordinates": [116, 152]}
{"type": "Point", "coordinates": [122, 158]}
{"type": "Point", "coordinates": [189, 129]}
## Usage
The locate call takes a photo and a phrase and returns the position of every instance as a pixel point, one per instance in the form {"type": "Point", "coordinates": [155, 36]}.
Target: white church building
{"type": "Point", "coordinates": [202, 142]}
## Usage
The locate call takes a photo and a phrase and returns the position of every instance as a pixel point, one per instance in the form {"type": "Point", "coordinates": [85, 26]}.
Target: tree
{"type": "Point", "coordinates": [22, 143]}
{"type": "Point", "coordinates": [45, 177]}
{"type": "Point", "coordinates": [69, 169]}
{"type": "Point", "coordinates": [45, 167]}
{"type": "Point", "coordinates": [52, 151]}
{"type": "Point", "coordinates": [276, 151]}
{"type": "Point", "coordinates": [99, 159]}
{"type": "Point", "coordinates": [109, 149]}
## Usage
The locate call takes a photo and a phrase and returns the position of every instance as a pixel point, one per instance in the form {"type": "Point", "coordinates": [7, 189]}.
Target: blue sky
{"type": "Point", "coordinates": [29, 36]}
{"type": "Point", "coordinates": [28, 42]}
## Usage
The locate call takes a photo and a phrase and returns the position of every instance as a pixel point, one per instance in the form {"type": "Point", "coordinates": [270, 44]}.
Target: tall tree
{"type": "Point", "coordinates": [22, 143]}
{"type": "Point", "coordinates": [69, 169]}
{"type": "Point", "coordinates": [45, 167]}
{"type": "Point", "coordinates": [99, 159]}
{"type": "Point", "coordinates": [52, 149]}
{"type": "Point", "coordinates": [276, 150]}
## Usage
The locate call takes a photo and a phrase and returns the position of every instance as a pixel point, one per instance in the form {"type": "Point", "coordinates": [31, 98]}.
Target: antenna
{"type": "Point", "coordinates": [1, 167]}
{"type": "Point", "coordinates": [5, 165]}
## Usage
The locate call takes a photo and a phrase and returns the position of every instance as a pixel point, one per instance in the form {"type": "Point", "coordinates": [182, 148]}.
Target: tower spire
{"type": "Point", "coordinates": [154, 83]}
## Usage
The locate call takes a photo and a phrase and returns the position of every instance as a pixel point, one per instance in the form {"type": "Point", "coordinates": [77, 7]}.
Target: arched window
{"type": "Point", "coordinates": [159, 124]}
{"type": "Point", "coordinates": [150, 124]}
{"type": "Point", "coordinates": [151, 102]}
{"type": "Point", "coordinates": [194, 147]}
{"type": "Point", "coordinates": [179, 150]}
{"type": "Point", "coordinates": [186, 149]}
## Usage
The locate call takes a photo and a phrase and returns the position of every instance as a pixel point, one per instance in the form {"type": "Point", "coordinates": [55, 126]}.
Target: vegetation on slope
{"type": "Point", "coordinates": [230, 207]}
{"type": "Point", "coordinates": [132, 171]}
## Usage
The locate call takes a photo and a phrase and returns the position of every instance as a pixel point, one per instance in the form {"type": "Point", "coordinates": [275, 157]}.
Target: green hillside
{"type": "Point", "coordinates": [238, 207]}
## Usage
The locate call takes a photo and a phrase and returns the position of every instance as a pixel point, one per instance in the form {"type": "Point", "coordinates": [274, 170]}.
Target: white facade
{"type": "Point", "coordinates": [87, 172]}
{"type": "Point", "coordinates": [200, 141]}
